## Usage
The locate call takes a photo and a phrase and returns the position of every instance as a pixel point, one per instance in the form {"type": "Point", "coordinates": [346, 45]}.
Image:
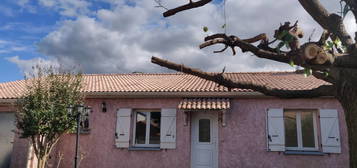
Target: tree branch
{"type": "Point", "coordinates": [221, 79]}
{"type": "Point", "coordinates": [234, 41]}
{"type": "Point", "coordinates": [188, 6]}
{"type": "Point", "coordinates": [263, 51]}
{"type": "Point", "coordinates": [332, 22]}
{"type": "Point", "coordinates": [346, 61]}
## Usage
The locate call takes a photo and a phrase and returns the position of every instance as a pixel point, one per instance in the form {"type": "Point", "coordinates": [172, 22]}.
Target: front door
{"type": "Point", "coordinates": [204, 140]}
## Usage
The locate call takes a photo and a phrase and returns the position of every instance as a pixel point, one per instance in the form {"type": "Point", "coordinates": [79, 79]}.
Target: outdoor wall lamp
{"type": "Point", "coordinates": [104, 107]}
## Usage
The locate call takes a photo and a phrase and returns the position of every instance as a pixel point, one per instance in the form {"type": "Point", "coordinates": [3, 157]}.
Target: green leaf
{"type": "Point", "coordinates": [329, 44]}
{"type": "Point", "coordinates": [344, 48]}
{"type": "Point", "coordinates": [223, 26]}
{"type": "Point", "coordinates": [337, 42]}
{"type": "Point", "coordinates": [326, 74]}
{"type": "Point", "coordinates": [205, 28]}
{"type": "Point", "coordinates": [291, 63]}
{"type": "Point", "coordinates": [277, 49]}
{"type": "Point", "coordinates": [307, 72]}
{"type": "Point", "coordinates": [282, 34]}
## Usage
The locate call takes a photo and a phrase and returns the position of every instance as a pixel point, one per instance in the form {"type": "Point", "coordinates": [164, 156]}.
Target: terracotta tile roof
{"type": "Point", "coordinates": [204, 104]}
{"type": "Point", "coordinates": [174, 82]}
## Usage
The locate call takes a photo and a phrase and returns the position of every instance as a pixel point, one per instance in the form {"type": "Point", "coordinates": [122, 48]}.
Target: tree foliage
{"type": "Point", "coordinates": [42, 111]}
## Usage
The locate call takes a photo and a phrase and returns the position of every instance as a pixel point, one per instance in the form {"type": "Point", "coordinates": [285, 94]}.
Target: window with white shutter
{"type": "Point", "coordinates": [330, 133]}
{"type": "Point", "coordinates": [275, 130]}
{"type": "Point", "coordinates": [296, 130]}
{"type": "Point", "coordinates": [122, 133]}
{"type": "Point", "coordinates": [168, 129]}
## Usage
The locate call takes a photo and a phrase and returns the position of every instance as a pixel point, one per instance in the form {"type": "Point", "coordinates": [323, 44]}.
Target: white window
{"type": "Point", "coordinates": [300, 130]}
{"type": "Point", "coordinates": [84, 123]}
{"type": "Point", "coordinates": [146, 128]}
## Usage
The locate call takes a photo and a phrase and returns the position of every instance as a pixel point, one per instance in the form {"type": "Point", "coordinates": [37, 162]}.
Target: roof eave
{"type": "Point", "coordinates": [92, 95]}
{"type": "Point", "coordinates": [169, 94]}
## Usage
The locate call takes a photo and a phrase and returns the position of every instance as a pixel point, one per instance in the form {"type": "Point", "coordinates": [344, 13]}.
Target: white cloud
{"type": "Point", "coordinates": [11, 46]}
{"type": "Point", "coordinates": [28, 66]}
{"type": "Point", "coordinates": [124, 38]}
{"type": "Point", "coordinates": [25, 5]}
{"type": "Point", "coordinates": [67, 7]}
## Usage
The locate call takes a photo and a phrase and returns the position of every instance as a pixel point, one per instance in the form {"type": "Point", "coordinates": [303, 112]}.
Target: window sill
{"type": "Point", "coordinates": [315, 153]}
{"type": "Point", "coordinates": [83, 131]}
{"type": "Point", "coordinates": [144, 148]}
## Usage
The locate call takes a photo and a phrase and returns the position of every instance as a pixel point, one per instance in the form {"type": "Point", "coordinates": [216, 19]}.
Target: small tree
{"type": "Point", "coordinates": [42, 111]}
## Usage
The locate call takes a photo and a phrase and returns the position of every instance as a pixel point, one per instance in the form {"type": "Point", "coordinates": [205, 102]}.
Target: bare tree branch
{"type": "Point", "coordinates": [188, 6]}
{"type": "Point", "coordinates": [263, 51]}
{"type": "Point", "coordinates": [353, 6]}
{"type": "Point", "coordinates": [234, 41]}
{"type": "Point", "coordinates": [221, 79]}
{"type": "Point", "coordinates": [332, 22]}
{"type": "Point", "coordinates": [159, 4]}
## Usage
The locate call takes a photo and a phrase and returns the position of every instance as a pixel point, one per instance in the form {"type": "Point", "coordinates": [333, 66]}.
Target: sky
{"type": "Point", "coordinates": [120, 36]}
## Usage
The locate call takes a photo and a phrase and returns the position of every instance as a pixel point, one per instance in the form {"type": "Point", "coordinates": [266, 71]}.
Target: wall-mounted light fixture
{"type": "Point", "coordinates": [104, 107]}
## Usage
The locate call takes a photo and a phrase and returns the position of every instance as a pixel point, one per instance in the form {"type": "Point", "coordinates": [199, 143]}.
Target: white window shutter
{"type": "Point", "coordinates": [168, 129]}
{"type": "Point", "coordinates": [123, 128]}
{"type": "Point", "coordinates": [275, 130]}
{"type": "Point", "coordinates": [330, 132]}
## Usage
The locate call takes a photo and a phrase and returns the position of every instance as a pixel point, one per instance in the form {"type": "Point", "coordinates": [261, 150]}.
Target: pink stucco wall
{"type": "Point", "coordinates": [242, 141]}
{"type": "Point", "coordinates": [99, 148]}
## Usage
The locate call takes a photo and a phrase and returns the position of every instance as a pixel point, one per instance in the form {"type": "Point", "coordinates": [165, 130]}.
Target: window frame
{"type": "Point", "coordinates": [82, 129]}
{"type": "Point", "coordinates": [147, 132]}
{"type": "Point", "coordinates": [210, 131]}
{"type": "Point", "coordinates": [299, 131]}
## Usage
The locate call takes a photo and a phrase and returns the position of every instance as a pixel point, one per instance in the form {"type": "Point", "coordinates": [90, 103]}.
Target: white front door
{"type": "Point", "coordinates": [204, 140]}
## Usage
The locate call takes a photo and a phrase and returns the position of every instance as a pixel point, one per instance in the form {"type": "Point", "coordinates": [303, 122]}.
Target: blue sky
{"type": "Point", "coordinates": [22, 26]}
{"type": "Point", "coordinates": [19, 31]}
{"type": "Point", "coordinates": [120, 36]}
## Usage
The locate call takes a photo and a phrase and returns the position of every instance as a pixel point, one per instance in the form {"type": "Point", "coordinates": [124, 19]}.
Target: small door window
{"type": "Point", "coordinates": [204, 130]}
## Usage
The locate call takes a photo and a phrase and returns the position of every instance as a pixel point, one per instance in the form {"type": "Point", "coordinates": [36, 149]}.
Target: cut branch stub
{"type": "Point", "coordinates": [314, 54]}
{"type": "Point", "coordinates": [188, 6]}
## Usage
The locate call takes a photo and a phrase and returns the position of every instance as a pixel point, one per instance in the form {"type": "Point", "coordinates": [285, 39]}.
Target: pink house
{"type": "Point", "coordinates": [179, 121]}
